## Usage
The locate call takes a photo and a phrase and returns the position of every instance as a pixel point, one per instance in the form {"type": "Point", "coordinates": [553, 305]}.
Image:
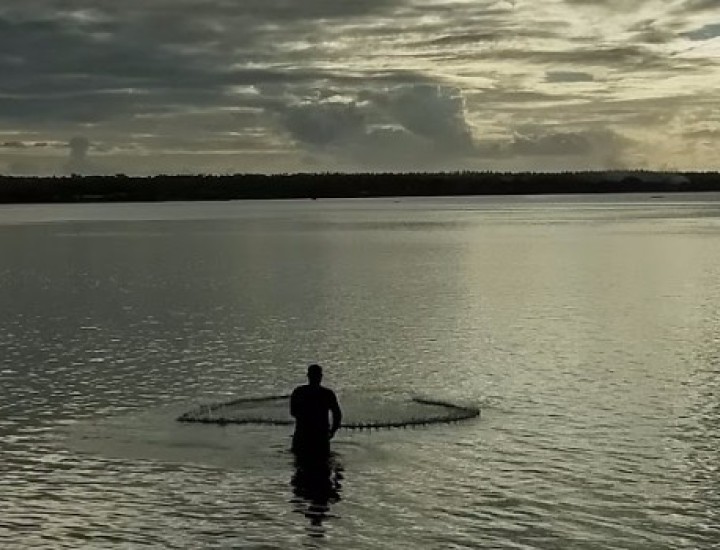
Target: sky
{"type": "Point", "coordinates": [227, 86]}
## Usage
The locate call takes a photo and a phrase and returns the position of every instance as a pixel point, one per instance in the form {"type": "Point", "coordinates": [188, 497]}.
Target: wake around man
{"type": "Point", "coordinates": [311, 406]}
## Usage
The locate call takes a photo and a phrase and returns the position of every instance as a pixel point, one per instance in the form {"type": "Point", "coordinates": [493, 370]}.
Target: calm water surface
{"type": "Point", "coordinates": [587, 329]}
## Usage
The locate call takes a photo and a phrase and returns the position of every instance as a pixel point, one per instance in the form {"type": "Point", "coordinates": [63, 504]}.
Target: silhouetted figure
{"type": "Point", "coordinates": [311, 406]}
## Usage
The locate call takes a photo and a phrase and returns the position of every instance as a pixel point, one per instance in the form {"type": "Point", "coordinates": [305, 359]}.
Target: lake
{"type": "Point", "coordinates": [587, 329]}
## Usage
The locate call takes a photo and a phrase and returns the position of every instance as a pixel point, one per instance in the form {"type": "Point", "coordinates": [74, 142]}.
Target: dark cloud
{"type": "Point", "coordinates": [503, 94]}
{"type": "Point", "coordinates": [323, 124]}
{"type": "Point", "coordinates": [654, 31]}
{"type": "Point", "coordinates": [396, 128]}
{"type": "Point", "coordinates": [25, 144]}
{"type": "Point", "coordinates": [198, 12]}
{"type": "Point", "coordinates": [463, 38]}
{"type": "Point", "coordinates": [699, 5]}
{"type": "Point", "coordinates": [568, 76]}
{"type": "Point", "coordinates": [14, 145]}
{"type": "Point", "coordinates": [66, 75]}
{"type": "Point", "coordinates": [615, 5]}
{"type": "Point", "coordinates": [706, 32]}
{"type": "Point", "coordinates": [631, 57]}
{"type": "Point", "coordinates": [151, 60]}
{"type": "Point", "coordinates": [169, 48]}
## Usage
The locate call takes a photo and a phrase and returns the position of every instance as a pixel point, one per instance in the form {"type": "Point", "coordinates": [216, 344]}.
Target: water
{"type": "Point", "coordinates": [585, 328]}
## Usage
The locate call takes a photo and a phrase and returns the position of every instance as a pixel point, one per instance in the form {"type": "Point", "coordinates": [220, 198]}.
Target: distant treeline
{"type": "Point", "coordinates": [314, 186]}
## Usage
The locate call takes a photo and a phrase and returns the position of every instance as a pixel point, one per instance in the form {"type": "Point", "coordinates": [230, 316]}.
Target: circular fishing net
{"type": "Point", "coordinates": [361, 410]}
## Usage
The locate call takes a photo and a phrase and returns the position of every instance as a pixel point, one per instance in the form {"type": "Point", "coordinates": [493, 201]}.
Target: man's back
{"type": "Point", "coordinates": [311, 405]}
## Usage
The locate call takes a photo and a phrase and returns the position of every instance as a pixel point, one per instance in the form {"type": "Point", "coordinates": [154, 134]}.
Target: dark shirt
{"type": "Point", "coordinates": [311, 405]}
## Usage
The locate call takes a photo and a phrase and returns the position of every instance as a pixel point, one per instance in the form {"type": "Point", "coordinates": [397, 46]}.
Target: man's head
{"type": "Point", "coordinates": [314, 374]}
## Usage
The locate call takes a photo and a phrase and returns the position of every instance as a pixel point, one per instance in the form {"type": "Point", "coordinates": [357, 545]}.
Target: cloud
{"type": "Point", "coordinates": [655, 31]}
{"type": "Point", "coordinates": [602, 143]}
{"type": "Point", "coordinates": [253, 85]}
{"type": "Point", "coordinates": [404, 127]}
{"type": "Point", "coordinates": [568, 76]}
{"type": "Point", "coordinates": [613, 5]}
{"type": "Point", "coordinates": [550, 144]}
{"type": "Point", "coordinates": [598, 149]}
{"type": "Point", "coordinates": [14, 145]}
{"type": "Point", "coordinates": [436, 113]}
{"type": "Point", "coordinates": [29, 144]}
{"type": "Point", "coordinates": [78, 161]}
{"type": "Point", "coordinates": [699, 5]}
{"type": "Point", "coordinates": [425, 127]}
{"type": "Point", "coordinates": [322, 124]}
{"type": "Point", "coordinates": [78, 149]}
{"type": "Point", "coordinates": [705, 32]}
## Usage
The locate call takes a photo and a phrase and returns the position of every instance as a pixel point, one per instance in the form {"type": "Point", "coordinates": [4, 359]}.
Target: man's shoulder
{"type": "Point", "coordinates": [328, 392]}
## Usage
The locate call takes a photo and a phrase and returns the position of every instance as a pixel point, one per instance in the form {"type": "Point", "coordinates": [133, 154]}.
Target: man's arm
{"type": "Point", "coordinates": [294, 403]}
{"type": "Point", "coordinates": [336, 414]}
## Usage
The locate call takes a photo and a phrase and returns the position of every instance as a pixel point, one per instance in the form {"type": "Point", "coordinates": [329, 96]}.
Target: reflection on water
{"type": "Point", "coordinates": [316, 485]}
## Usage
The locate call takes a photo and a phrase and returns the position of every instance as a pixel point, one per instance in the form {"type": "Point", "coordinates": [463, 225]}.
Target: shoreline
{"type": "Point", "coordinates": [164, 188]}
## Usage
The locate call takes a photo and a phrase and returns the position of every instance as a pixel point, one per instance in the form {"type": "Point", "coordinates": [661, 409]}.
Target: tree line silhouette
{"type": "Point", "coordinates": [122, 188]}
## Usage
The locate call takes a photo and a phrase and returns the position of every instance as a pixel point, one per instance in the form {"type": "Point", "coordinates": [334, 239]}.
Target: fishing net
{"type": "Point", "coordinates": [361, 410]}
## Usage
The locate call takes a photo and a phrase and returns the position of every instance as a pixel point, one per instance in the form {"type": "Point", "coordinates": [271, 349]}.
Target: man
{"type": "Point", "coordinates": [311, 406]}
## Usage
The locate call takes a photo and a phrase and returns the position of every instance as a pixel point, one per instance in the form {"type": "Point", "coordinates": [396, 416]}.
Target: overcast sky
{"type": "Point", "coordinates": [148, 86]}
